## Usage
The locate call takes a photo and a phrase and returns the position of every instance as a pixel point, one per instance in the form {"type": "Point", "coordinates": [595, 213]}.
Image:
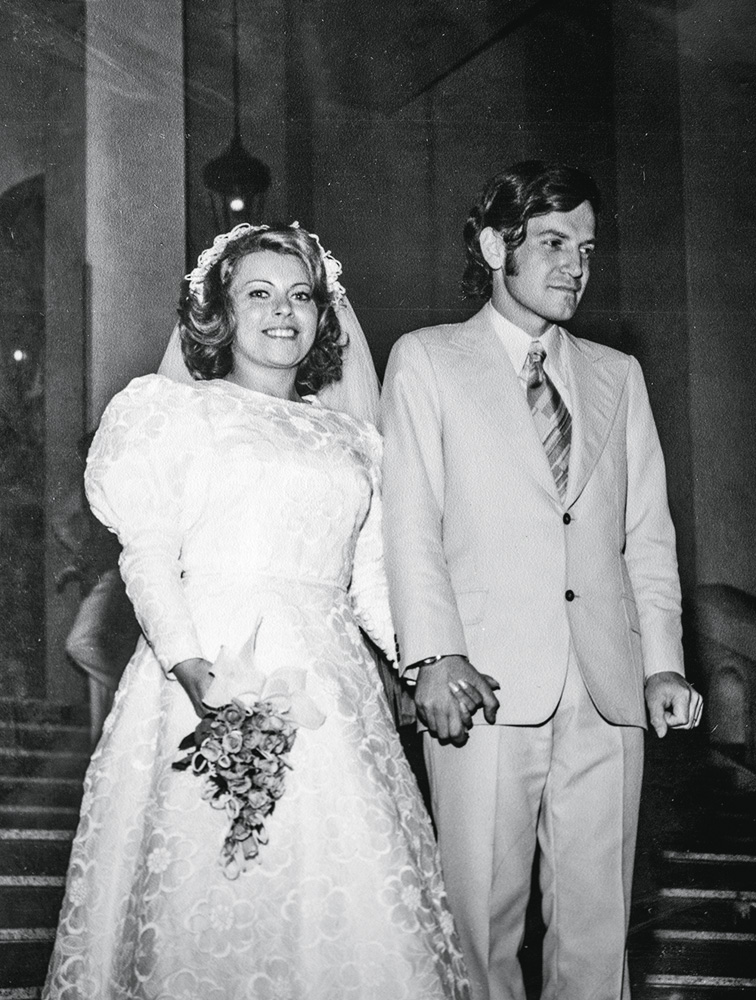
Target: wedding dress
{"type": "Point", "coordinates": [234, 506]}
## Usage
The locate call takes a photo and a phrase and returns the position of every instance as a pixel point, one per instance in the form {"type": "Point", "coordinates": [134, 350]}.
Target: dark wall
{"type": "Point", "coordinates": [652, 301]}
{"type": "Point", "coordinates": [379, 136]}
{"type": "Point", "coordinates": [718, 101]}
{"type": "Point", "coordinates": [42, 366]}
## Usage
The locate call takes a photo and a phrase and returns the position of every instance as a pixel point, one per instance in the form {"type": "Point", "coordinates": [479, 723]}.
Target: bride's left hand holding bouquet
{"type": "Point", "coordinates": [240, 747]}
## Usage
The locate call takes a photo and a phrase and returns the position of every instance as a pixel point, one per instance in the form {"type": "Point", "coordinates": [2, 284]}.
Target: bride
{"type": "Point", "coordinates": [246, 507]}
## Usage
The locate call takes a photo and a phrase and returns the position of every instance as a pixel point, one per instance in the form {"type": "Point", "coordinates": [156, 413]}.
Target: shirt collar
{"type": "Point", "coordinates": [517, 343]}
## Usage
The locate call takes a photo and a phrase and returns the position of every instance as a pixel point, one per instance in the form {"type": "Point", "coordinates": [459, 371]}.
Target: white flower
{"type": "Point", "coordinates": [411, 897]}
{"type": "Point", "coordinates": [221, 918]}
{"type": "Point", "coordinates": [235, 677]}
{"type": "Point", "coordinates": [158, 860]}
{"type": "Point", "coordinates": [77, 891]}
{"type": "Point", "coordinates": [333, 271]}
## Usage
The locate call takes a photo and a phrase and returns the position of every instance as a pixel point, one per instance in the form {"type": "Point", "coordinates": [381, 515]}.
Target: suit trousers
{"type": "Point", "coordinates": [571, 785]}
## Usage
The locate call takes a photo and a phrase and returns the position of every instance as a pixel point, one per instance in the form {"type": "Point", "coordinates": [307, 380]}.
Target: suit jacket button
{"type": "Point", "coordinates": [569, 595]}
{"type": "Point", "coordinates": [566, 518]}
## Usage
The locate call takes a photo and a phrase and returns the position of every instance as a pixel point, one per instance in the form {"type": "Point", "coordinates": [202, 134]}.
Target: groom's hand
{"type": "Point", "coordinates": [672, 702]}
{"type": "Point", "coordinates": [448, 694]}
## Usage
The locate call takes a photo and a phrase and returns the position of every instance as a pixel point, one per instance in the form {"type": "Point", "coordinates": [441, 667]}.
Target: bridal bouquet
{"type": "Point", "coordinates": [240, 748]}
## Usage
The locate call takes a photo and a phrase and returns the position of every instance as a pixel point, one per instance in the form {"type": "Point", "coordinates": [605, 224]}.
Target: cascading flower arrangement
{"type": "Point", "coordinates": [240, 748]}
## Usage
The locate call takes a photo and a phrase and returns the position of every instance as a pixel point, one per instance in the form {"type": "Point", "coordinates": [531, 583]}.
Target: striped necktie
{"type": "Point", "coordinates": [551, 416]}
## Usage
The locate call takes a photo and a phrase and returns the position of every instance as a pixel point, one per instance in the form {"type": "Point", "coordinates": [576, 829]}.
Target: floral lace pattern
{"type": "Point", "coordinates": [231, 505]}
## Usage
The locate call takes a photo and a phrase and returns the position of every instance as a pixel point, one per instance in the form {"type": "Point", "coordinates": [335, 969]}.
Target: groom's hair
{"type": "Point", "coordinates": [509, 200]}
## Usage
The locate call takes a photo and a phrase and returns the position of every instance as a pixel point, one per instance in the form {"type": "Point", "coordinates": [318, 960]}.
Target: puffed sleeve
{"type": "Point", "coordinates": [140, 482]}
{"type": "Point", "coordinates": [369, 588]}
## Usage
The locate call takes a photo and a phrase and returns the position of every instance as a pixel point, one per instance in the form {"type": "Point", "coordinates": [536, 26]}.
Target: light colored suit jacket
{"type": "Point", "coordinates": [483, 557]}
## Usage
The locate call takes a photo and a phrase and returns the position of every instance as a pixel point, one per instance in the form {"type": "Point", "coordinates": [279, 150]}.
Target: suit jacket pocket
{"type": "Point", "coordinates": [471, 604]}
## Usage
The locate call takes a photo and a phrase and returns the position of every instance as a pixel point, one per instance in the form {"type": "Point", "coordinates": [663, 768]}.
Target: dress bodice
{"type": "Point", "coordinates": [293, 482]}
{"type": "Point", "coordinates": [214, 486]}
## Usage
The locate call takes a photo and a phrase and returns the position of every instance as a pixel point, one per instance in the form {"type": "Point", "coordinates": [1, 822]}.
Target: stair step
{"type": "Point", "coordinates": [25, 963]}
{"type": "Point", "coordinates": [693, 914]}
{"type": "Point", "coordinates": [710, 857]}
{"type": "Point", "coordinates": [725, 937]}
{"type": "Point", "coordinates": [32, 881]}
{"type": "Point", "coordinates": [25, 935]}
{"type": "Point", "coordinates": [723, 791]}
{"type": "Point", "coordinates": [23, 905]}
{"type": "Point", "coordinates": [706, 909]}
{"type": "Point", "coordinates": [35, 790]}
{"type": "Point", "coordinates": [35, 833]}
{"type": "Point", "coordinates": [718, 825]}
{"type": "Point", "coordinates": [686, 987]}
{"type": "Point", "coordinates": [34, 856]}
{"type": "Point", "coordinates": [44, 736]}
{"type": "Point", "coordinates": [703, 957]}
{"type": "Point", "coordinates": [683, 892]}
{"type": "Point", "coordinates": [726, 809]}
{"type": "Point", "coordinates": [729, 874]}
{"type": "Point", "coordinates": [39, 816]}
{"type": "Point", "coordinates": [42, 763]}
{"type": "Point", "coordinates": [13, 710]}
{"type": "Point", "coordinates": [730, 842]}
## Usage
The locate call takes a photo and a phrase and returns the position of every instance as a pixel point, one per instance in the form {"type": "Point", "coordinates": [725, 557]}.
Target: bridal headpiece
{"type": "Point", "coordinates": [213, 254]}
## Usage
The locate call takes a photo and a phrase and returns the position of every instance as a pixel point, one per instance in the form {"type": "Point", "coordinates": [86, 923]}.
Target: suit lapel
{"type": "Point", "coordinates": [595, 379]}
{"type": "Point", "coordinates": [492, 384]}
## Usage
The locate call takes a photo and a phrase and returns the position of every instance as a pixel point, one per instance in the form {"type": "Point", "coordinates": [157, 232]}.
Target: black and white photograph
{"type": "Point", "coordinates": [377, 500]}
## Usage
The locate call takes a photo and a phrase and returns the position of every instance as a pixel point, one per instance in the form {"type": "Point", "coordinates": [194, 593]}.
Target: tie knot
{"type": "Point", "coordinates": [536, 355]}
{"type": "Point", "coordinates": [537, 352]}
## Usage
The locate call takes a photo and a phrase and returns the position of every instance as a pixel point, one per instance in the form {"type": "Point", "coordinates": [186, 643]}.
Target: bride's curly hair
{"type": "Point", "coordinates": [208, 323]}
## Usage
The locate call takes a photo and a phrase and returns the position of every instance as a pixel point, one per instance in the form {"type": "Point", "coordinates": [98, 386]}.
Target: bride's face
{"type": "Point", "coordinates": [276, 315]}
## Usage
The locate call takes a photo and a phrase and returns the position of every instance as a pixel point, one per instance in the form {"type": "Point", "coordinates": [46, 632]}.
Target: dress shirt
{"type": "Point", "coordinates": [517, 344]}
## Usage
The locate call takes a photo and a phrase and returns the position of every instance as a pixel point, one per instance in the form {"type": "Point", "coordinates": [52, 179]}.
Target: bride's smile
{"type": "Point", "coordinates": [275, 314]}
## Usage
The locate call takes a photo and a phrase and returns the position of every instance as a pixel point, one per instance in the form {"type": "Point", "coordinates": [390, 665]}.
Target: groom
{"type": "Point", "coordinates": [533, 575]}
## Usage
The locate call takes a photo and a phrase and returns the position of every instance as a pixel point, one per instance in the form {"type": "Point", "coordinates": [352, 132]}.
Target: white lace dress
{"type": "Point", "coordinates": [230, 504]}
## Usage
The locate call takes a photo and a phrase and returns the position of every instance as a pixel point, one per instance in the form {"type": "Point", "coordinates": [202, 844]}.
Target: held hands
{"type": "Point", "coordinates": [195, 678]}
{"type": "Point", "coordinates": [449, 693]}
{"type": "Point", "coordinates": [672, 702]}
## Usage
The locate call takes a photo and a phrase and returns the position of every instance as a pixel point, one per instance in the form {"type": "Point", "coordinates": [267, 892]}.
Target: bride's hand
{"type": "Point", "coordinates": [195, 678]}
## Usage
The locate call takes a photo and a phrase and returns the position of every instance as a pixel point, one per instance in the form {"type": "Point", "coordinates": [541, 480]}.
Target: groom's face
{"type": "Point", "coordinates": [549, 271]}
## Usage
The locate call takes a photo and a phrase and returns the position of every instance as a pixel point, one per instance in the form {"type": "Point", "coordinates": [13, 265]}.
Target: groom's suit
{"type": "Point", "coordinates": [550, 597]}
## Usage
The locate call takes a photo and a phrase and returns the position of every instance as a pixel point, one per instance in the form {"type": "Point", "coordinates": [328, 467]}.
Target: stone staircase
{"type": "Point", "coordinates": [44, 750]}
{"type": "Point", "coordinates": [693, 936]}
{"type": "Point", "coordinates": [693, 928]}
